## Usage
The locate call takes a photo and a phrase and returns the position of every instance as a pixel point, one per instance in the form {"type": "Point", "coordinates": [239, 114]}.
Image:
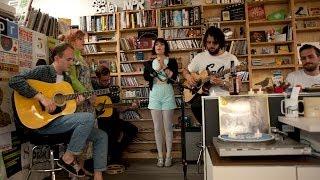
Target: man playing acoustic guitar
{"type": "Point", "coordinates": [120, 132]}
{"type": "Point", "coordinates": [213, 60]}
{"type": "Point", "coordinates": [81, 123]}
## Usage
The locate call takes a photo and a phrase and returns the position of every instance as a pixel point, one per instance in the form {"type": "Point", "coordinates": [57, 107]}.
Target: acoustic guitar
{"type": "Point", "coordinates": [104, 106]}
{"type": "Point", "coordinates": [32, 113]}
{"type": "Point", "coordinates": [203, 82]}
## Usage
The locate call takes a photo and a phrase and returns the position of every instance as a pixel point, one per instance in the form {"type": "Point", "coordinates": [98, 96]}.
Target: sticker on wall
{"type": "Point", "coordinates": [8, 58]}
{"type": "Point", "coordinates": [6, 114]}
{"type": "Point", "coordinates": [8, 44]}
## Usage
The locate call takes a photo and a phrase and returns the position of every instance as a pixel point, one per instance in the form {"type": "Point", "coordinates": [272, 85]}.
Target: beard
{"type": "Point", "coordinates": [213, 52]}
{"type": "Point", "coordinates": [310, 67]}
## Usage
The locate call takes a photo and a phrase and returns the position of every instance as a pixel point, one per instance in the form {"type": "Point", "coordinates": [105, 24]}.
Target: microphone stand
{"type": "Point", "coordinates": [183, 132]}
{"type": "Point", "coordinates": [183, 126]}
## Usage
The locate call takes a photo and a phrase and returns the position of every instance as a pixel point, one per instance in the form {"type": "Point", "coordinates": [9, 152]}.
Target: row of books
{"type": "Point", "coordinates": [144, 18]}
{"type": "Point", "coordinates": [90, 48]}
{"type": "Point", "coordinates": [181, 33]}
{"type": "Point", "coordinates": [129, 81]}
{"type": "Point", "coordinates": [129, 115]}
{"type": "Point", "coordinates": [184, 44]}
{"type": "Point", "coordinates": [42, 22]}
{"type": "Point", "coordinates": [128, 43]}
{"type": "Point", "coordinates": [238, 47]}
{"type": "Point", "coordinates": [244, 75]}
{"type": "Point", "coordinates": [181, 17]}
{"type": "Point", "coordinates": [98, 23]}
{"type": "Point", "coordinates": [138, 92]}
{"type": "Point", "coordinates": [127, 68]}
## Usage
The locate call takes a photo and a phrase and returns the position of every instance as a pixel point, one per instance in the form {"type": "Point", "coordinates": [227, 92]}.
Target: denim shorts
{"type": "Point", "coordinates": [162, 97]}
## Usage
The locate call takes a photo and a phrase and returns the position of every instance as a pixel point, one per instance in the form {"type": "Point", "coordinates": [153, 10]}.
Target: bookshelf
{"type": "Point", "coordinates": [131, 42]}
{"type": "Point", "coordinates": [233, 24]}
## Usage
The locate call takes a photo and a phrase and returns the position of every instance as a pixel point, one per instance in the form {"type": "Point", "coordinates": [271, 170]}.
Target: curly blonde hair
{"type": "Point", "coordinates": [72, 35]}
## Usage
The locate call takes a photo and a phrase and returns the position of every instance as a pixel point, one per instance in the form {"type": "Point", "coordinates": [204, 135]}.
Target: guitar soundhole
{"type": "Point", "coordinates": [57, 110]}
{"type": "Point", "coordinates": [59, 99]}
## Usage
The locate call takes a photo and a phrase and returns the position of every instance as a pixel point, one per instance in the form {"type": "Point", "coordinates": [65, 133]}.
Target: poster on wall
{"type": "Point", "coordinates": [8, 44]}
{"type": "Point", "coordinates": [3, 174]}
{"type": "Point", "coordinates": [12, 157]}
{"type": "Point", "coordinates": [25, 47]}
{"type": "Point", "coordinates": [39, 51]}
{"type": "Point", "coordinates": [5, 142]}
{"type": "Point", "coordinates": [6, 114]}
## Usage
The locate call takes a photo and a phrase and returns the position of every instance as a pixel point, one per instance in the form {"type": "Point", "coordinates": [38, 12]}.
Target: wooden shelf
{"type": "Point", "coordinates": [308, 29]}
{"type": "Point", "coordinates": [101, 42]}
{"type": "Point", "coordinates": [131, 73]}
{"type": "Point", "coordinates": [266, 23]}
{"type": "Point", "coordinates": [272, 67]}
{"type": "Point", "coordinates": [135, 50]}
{"type": "Point", "coordinates": [269, 2]}
{"type": "Point", "coordinates": [138, 29]}
{"type": "Point", "coordinates": [181, 27]}
{"type": "Point", "coordinates": [208, 6]}
{"type": "Point", "coordinates": [178, 50]}
{"type": "Point", "coordinates": [175, 7]}
{"type": "Point", "coordinates": [304, 123]}
{"type": "Point", "coordinates": [301, 18]}
{"type": "Point", "coordinates": [138, 61]}
{"type": "Point", "coordinates": [270, 43]}
{"type": "Point", "coordinates": [101, 32]}
{"type": "Point", "coordinates": [100, 53]}
{"type": "Point", "coordinates": [237, 39]}
{"type": "Point", "coordinates": [231, 22]}
{"type": "Point", "coordinates": [272, 55]}
{"type": "Point", "coordinates": [183, 38]}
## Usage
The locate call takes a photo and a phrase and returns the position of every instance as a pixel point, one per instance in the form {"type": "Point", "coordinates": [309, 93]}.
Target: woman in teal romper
{"type": "Point", "coordinates": [161, 73]}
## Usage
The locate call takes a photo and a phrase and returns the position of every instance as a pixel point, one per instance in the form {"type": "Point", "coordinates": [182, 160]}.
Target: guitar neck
{"type": "Point", "coordinates": [87, 94]}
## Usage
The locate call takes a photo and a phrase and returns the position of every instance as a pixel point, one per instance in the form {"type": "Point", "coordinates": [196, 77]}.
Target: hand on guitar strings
{"type": "Point", "coordinates": [49, 104]}
{"type": "Point", "coordinates": [191, 81]}
{"type": "Point", "coordinates": [92, 99]}
{"type": "Point", "coordinates": [217, 81]}
{"type": "Point", "coordinates": [80, 99]}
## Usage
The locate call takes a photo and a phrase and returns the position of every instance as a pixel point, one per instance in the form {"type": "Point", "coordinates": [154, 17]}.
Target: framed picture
{"type": "Point", "coordinates": [281, 49]}
{"type": "Point", "coordinates": [314, 11]}
{"type": "Point", "coordinates": [243, 114]}
{"type": "Point", "coordinates": [258, 36]}
{"type": "Point", "coordinates": [225, 15]}
{"type": "Point", "coordinates": [256, 12]}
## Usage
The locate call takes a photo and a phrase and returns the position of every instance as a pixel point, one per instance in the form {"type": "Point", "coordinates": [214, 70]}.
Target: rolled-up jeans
{"type": "Point", "coordinates": [82, 124]}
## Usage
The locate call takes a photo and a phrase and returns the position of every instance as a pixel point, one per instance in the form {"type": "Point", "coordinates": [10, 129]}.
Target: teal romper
{"type": "Point", "coordinates": [162, 95]}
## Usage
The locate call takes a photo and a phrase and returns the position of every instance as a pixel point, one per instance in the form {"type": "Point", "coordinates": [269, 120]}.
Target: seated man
{"type": "Point", "coordinates": [80, 123]}
{"type": "Point", "coordinates": [310, 74]}
{"type": "Point", "coordinates": [120, 132]}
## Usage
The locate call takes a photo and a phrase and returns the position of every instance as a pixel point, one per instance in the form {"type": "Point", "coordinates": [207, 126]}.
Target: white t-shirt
{"type": "Point", "coordinates": [59, 78]}
{"type": "Point", "coordinates": [215, 64]}
{"type": "Point", "coordinates": [303, 79]}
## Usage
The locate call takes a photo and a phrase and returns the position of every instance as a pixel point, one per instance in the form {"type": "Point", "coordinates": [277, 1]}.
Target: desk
{"type": "Point", "coordinates": [261, 168]}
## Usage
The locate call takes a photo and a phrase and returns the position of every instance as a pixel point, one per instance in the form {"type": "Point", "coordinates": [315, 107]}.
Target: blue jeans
{"type": "Point", "coordinates": [82, 125]}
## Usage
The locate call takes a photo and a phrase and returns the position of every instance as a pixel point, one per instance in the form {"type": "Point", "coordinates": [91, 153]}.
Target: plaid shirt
{"type": "Point", "coordinates": [45, 73]}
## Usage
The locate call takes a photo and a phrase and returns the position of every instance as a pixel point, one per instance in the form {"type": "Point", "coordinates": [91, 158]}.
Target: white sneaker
{"type": "Point", "coordinates": [160, 162]}
{"type": "Point", "coordinates": [168, 162]}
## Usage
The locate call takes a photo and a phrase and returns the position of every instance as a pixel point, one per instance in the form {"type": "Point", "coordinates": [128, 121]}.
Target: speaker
{"type": "Point", "coordinates": [193, 138]}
